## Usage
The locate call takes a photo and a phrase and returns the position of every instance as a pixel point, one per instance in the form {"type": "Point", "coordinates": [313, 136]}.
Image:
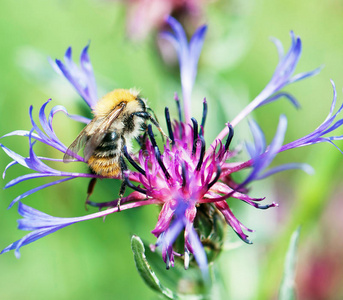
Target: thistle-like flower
{"type": "Point", "coordinates": [190, 182]}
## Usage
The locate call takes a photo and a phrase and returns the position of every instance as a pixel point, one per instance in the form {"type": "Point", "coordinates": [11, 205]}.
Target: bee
{"type": "Point", "coordinates": [119, 117]}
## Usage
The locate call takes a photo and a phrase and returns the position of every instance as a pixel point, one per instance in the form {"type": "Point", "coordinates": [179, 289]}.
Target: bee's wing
{"type": "Point", "coordinates": [78, 143]}
{"type": "Point", "coordinates": [90, 137]}
{"type": "Point", "coordinates": [101, 129]}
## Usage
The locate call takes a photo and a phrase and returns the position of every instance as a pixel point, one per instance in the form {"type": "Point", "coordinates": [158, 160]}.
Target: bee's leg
{"type": "Point", "coordinates": [142, 138]}
{"type": "Point", "coordinates": [90, 190]}
{"type": "Point", "coordinates": [121, 193]}
{"type": "Point", "coordinates": [147, 116]}
{"type": "Point", "coordinates": [123, 168]}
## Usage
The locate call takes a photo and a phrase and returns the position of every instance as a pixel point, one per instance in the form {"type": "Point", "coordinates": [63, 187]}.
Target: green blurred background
{"type": "Point", "coordinates": [93, 259]}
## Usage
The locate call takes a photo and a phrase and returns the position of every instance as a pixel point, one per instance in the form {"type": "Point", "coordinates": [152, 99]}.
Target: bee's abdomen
{"type": "Point", "coordinates": [105, 166]}
{"type": "Point", "coordinates": [105, 158]}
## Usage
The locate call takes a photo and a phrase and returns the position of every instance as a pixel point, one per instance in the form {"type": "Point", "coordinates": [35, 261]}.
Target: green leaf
{"type": "Point", "coordinates": [145, 270]}
{"type": "Point", "coordinates": [287, 289]}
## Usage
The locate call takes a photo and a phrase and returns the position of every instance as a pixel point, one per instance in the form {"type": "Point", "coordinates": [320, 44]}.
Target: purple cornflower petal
{"type": "Point", "coordinates": [32, 162]}
{"type": "Point", "coordinates": [42, 224]}
{"type": "Point", "coordinates": [82, 79]}
{"type": "Point", "coordinates": [195, 47]}
{"type": "Point", "coordinates": [283, 76]}
{"type": "Point", "coordinates": [259, 141]}
{"type": "Point", "coordinates": [38, 189]}
{"type": "Point", "coordinates": [24, 133]}
{"type": "Point", "coordinates": [317, 136]}
{"type": "Point", "coordinates": [27, 177]}
{"type": "Point", "coordinates": [279, 95]}
{"type": "Point", "coordinates": [261, 156]}
{"type": "Point", "coordinates": [49, 137]}
{"type": "Point", "coordinates": [193, 245]}
{"type": "Point", "coordinates": [188, 54]}
{"type": "Point", "coordinates": [279, 47]}
{"type": "Point", "coordinates": [12, 163]}
{"type": "Point", "coordinates": [61, 108]}
{"type": "Point", "coordinates": [192, 241]}
{"type": "Point", "coordinates": [16, 157]}
{"type": "Point", "coordinates": [291, 166]}
{"type": "Point", "coordinates": [237, 226]}
{"type": "Point", "coordinates": [35, 163]}
{"type": "Point", "coordinates": [167, 239]}
{"type": "Point", "coordinates": [87, 68]}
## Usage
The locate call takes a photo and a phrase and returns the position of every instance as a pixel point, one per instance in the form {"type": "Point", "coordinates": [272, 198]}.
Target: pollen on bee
{"type": "Point", "coordinates": [108, 102]}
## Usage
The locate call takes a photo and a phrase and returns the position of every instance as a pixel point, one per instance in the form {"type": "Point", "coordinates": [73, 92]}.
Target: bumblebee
{"type": "Point", "coordinates": [119, 117]}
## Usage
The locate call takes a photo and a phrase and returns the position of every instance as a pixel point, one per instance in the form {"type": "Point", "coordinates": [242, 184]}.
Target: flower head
{"type": "Point", "coordinates": [192, 184]}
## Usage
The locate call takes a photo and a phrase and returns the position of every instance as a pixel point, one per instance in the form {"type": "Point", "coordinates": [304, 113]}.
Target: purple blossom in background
{"type": "Point", "coordinates": [184, 176]}
{"type": "Point", "coordinates": [144, 16]}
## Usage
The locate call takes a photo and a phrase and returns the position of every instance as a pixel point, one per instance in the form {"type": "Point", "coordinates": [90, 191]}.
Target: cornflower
{"type": "Point", "coordinates": [192, 184]}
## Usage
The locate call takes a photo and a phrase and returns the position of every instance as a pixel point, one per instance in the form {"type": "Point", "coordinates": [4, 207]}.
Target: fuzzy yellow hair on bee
{"type": "Point", "coordinates": [108, 102]}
